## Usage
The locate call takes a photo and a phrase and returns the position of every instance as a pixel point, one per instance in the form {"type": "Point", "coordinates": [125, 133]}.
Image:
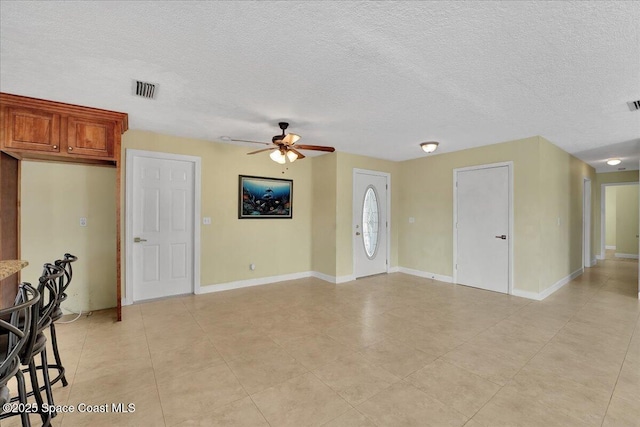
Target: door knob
{"type": "Point", "coordinates": [502, 236]}
{"type": "Point", "coordinates": [357, 233]}
{"type": "Point", "coordinates": [138, 240]}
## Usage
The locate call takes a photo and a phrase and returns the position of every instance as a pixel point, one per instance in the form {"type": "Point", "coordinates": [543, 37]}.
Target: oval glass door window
{"type": "Point", "coordinates": [370, 222]}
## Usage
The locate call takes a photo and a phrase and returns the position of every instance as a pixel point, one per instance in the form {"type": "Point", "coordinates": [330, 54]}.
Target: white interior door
{"type": "Point", "coordinates": [162, 227]}
{"type": "Point", "coordinates": [482, 207]}
{"type": "Point", "coordinates": [370, 222]}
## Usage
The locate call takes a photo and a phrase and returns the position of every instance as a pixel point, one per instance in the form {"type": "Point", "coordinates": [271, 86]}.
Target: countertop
{"type": "Point", "coordinates": [11, 266]}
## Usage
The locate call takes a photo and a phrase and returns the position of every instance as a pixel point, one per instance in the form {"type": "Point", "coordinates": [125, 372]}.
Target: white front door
{"type": "Point", "coordinates": [162, 227]}
{"type": "Point", "coordinates": [370, 223]}
{"type": "Point", "coordinates": [482, 244]}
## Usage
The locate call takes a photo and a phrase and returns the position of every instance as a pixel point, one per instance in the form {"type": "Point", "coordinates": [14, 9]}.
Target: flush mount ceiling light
{"type": "Point", "coordinates": [429, 147]}
{"type": "Point", "coordinates": [614, 162]}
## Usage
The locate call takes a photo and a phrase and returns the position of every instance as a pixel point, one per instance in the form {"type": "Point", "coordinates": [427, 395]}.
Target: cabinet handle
{"type": "Point", "coordinates": [70, 148]}
{"type": "Point", "coordinates": [55, 147]}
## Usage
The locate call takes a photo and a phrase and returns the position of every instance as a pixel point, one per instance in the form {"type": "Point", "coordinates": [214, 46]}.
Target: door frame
{"type": "Point", "coordinates": [603, 217]}
{"type": "Point", "coordinates": [355, 209]}
{"type": "Point", "coordinates": [197, 184]}
{"type": "Point", "coordinates": [510, 240]}
{"type": "Point", "coordinates": [586, 223]}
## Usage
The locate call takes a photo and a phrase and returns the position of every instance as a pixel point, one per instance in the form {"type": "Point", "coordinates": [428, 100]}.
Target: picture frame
{"type": "Point", "coordinates": [262, 197]}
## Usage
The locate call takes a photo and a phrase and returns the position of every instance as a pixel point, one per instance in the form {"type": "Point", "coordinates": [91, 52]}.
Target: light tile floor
{"type": "Point", "coordinates": [391, 350]}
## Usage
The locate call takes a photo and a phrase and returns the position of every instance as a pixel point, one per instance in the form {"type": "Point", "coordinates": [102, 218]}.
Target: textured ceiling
{"type": "Point", "coordinates": [373, 78]}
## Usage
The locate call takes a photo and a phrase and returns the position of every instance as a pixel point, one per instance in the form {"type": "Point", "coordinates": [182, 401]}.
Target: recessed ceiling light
{"type": "Point", "coordinates": [613, 162]}
{"type": "Point", "coordinates": [225, 138]}
{"type": "Point", "coordinates": [429, 147]}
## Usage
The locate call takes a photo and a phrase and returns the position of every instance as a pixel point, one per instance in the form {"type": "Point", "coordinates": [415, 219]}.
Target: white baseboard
{"type": "Point", "coordinates": [394, 270]}
{"type": "Point", "coordinates": [600, 257]}
{"type": "Point", "coordinates": [251, 282]}
{"type": "Point", "coordinates": [551, 289]}
{"type": "Point", "coordinates": [426, 274]}
{"type": "Point", "coordinates": [594, 261]}
{"type": "Point", "coordinates": [610, 247]}
{"type": "Point", "coordinates": [630, 256]}
{"type": "Point", "coordinates": [525, 294]}
{"type": "Point", "coordinates": [332, 279]}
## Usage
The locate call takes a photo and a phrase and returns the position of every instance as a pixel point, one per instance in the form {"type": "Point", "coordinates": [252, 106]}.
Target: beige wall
{"type": "Point", "coordinates": [607, 178]}
{"type": "Point", "coordinates": [229, 245]}
{"type": "Point", "coordinates": [54, 198]}
{"type": "Point", "coordinates": [548, 185]}
{"type": "Point", "coordinates": [610, 219]}
{"type": "Point", "coordinates": [323, 217]}
{"type": "Point", "coordinates": [426, 194]}
{"type": "Point", "coordinates": [561, 213]}
{"type": "Point", "coordinates": [627, 219]}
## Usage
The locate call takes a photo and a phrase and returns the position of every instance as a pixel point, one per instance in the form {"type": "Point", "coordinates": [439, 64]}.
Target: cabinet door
{"type": "Point", "coordinates": [28, 129]}
{"type": "Point", "coordinates": [90, 137]}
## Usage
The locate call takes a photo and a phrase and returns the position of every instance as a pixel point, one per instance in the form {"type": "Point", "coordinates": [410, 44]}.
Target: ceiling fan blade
{"type": "Point", "coordinates": [316, 147]}
{"type": "Point", "coordinates": [290, 139]}
{"type": "Point", "coordinates": [300, 155]}
{"type": "Point", "coordinates": [254, 142]}
{"type": "Point", "coordinates": [264, 149]}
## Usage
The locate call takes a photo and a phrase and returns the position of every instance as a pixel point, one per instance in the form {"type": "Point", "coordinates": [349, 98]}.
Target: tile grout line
{"type": "Point", "coordinates": [635, 331]}
{"type": "Point", "coordinates": [540, 350]}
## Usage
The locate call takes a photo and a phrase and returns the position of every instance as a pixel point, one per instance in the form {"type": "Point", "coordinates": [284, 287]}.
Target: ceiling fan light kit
{"type": "Point", "coordinates": [278, 157]}
{"type": "Point", "coordinates": [429, 147]}
{"type": "Point", "coordinates": [284, 146]}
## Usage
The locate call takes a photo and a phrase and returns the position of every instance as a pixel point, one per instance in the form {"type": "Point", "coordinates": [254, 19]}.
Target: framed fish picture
{"type": "Point", "coordinates": [261, 197]}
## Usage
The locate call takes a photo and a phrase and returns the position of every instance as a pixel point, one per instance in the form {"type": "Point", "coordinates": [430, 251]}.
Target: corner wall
{"type": "Point", "coordinates": [323, 216]}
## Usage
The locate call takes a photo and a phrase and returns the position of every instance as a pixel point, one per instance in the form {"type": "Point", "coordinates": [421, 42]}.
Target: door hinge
{"type": "Point", "coordinates": [456, 267]}
{"type": "Point", "coordinates": [386, 186]}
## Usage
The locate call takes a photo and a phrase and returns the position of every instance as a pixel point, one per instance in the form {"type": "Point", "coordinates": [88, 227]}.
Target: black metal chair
{"type": "Point", "coordinates": [37, 345]}
{"type": "Point", "coordinates": [17, 326]}
{"type": "Point", "coordinates": [63, 283]}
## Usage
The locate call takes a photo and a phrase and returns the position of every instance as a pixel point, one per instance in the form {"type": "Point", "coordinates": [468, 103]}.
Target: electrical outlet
{"type": "Point", "coordinates": [206, 220]}
{"type": "Point", "coordinates": [411, 220]}
{"type": "Point", "coordinates": [83, 222]}
{"type": "Point", "coordinates": [252, 267]}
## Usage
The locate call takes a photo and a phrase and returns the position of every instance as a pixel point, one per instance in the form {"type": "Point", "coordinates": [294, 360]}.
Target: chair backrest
{"type": "Point", "coordinates": [48, 289]}
{"type": "Point", "coordinates": [18, 323]}
{"type": "Point", "coordinates": [65, 279]}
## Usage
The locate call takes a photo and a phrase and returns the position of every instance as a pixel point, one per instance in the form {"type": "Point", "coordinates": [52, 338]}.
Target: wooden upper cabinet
{"type": "Point", "coordinates": [29, 129]}
{"type": "Point", "coordinates": [90, 137]}
{"type": "Point", "coordinates": [38, 129]}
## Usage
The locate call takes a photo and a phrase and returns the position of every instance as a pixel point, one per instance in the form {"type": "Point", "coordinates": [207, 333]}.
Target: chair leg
{"type": "Point", "coordinates": [22, 394]}
{"type": "Point", "coordinates": [33, 373]}
{"type": "Point", "coordinates": [47, 383]}
{"type": "Point", "coordinates": [56, 355]}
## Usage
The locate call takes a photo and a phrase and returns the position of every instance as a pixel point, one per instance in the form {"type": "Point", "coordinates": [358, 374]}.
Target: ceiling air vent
{"type": "Point", "coordinates": [145, 89]}
{"type": "Point", "coordinates": [634, 105]}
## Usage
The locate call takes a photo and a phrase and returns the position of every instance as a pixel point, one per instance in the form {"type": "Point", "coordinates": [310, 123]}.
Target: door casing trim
{"type": "Point", "coordinates": [127, 299]}
{"type": "Point", "coordinates": [510, 240]}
